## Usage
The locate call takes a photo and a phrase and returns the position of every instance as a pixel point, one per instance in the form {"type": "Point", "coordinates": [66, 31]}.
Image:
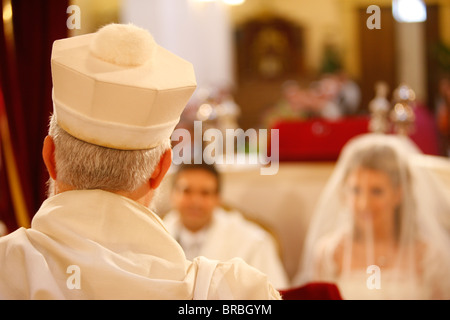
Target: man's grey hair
{"type": "Point", "coordinates": [83, 165]}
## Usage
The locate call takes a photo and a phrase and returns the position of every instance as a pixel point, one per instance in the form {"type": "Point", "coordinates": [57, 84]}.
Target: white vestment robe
{"type": "Point", "coordinates": [94, 244]}
{"type": "Point", "coordinates": [230, 235]}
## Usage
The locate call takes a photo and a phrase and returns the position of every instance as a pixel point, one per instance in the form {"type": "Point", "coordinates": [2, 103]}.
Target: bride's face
{"type": "Point", "coordinates": [372, 197]}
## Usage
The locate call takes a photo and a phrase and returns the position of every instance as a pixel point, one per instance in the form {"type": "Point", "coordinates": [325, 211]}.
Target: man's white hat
{"type": "Point", "coordinates": [117, 88]}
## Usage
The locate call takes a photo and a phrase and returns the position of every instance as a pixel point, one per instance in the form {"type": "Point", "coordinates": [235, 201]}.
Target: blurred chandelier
{"type": "Point", "coordinates": [229, 2]}
{"type": "Point", "coordinates": [409, 10]}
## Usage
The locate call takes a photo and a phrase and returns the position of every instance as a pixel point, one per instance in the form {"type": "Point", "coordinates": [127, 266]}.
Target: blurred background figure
{"type": "Point", "coordinates": [292, 105]}
{"type": "Point", "coordinates": [349, 97]}
{"type": "Point", "coordinates": [203, 227]}
{"type": "Point", "coordinates": [380, 212]}
{"type": "Point", "coordinates": [331, 97]}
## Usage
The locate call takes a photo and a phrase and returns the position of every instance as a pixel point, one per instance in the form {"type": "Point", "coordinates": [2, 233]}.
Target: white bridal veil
{"type": "Point", "coordinates": [380, 230]}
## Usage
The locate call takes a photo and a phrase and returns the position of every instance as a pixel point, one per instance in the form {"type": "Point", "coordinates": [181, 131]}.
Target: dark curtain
{"type": "Point", "coordinates": [26, 85]}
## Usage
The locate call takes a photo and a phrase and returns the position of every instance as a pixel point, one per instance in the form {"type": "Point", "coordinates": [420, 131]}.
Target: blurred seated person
{"type": "Point", "coordinates": [349, 96]}
{"type": "Point", "coordinates": [336, 95]}
{"type": "Point", "coordinates": [204, 228]}
{"type": "Point", "coordinates": [332, 97]}
{"type": "Point", "coordinates": [378, 231]}
{"type": "Point", "coordinates": [288, 107]}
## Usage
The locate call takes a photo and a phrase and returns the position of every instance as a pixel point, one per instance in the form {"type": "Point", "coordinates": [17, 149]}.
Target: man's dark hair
{"type": "Point", "coordinates": [211, 168]}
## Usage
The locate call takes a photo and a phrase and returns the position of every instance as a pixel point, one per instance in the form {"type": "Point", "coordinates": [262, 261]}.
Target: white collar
{"type": "Point", "coordinates": [188, 238]}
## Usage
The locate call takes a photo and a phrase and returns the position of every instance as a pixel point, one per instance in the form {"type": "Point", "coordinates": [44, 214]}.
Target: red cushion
{"type": "Point", "coordinates": [317, 139]}
{"type": "Point", "coordinates": [312, 291]}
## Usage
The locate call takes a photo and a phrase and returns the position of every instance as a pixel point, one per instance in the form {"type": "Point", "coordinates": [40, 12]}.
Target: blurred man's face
{"type": "Point", "coordinates": [195, 196]}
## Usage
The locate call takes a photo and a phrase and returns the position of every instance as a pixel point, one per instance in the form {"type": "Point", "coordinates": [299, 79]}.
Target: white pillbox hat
{"type": "Point", "coordinates": [117, 88]}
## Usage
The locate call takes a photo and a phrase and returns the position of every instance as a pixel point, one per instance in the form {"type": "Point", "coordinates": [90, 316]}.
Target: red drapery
{"type": "Point", "coordinates": [26, 40]}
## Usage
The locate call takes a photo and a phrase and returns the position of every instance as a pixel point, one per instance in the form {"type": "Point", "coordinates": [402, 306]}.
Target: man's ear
{"type": "Point", "coordinates": [48, 154]}
{"type": "Point", "coordinates": [161, 169]}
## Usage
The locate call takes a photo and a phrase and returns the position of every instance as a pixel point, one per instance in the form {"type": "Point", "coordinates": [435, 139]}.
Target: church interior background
{"type": "Point", "coordinates": [263, 64]}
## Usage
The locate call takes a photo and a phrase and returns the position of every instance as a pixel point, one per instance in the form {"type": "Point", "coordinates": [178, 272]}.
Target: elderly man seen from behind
{"type": "Point", "coordinates": [117, 98]}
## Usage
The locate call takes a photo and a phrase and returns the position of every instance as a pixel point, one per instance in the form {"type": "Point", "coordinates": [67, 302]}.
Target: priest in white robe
{"type": "Point", "coordinates": [117, 98]}
{"type": "Point", "coordinates": [204, 228]}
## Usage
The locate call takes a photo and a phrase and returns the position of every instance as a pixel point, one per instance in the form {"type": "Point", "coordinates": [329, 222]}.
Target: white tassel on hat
{"type": "Point", "coordinates": [124, 45]}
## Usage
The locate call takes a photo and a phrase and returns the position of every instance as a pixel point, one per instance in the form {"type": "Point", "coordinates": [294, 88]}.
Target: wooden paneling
{"type": "Point", "coordinates": [377, 51]}
{"type": "Point", "coordinates": [269, 51]}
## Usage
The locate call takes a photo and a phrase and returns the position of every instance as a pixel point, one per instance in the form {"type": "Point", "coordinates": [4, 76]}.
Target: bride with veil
{"type": "Point", "coordinates": [380, 230]}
